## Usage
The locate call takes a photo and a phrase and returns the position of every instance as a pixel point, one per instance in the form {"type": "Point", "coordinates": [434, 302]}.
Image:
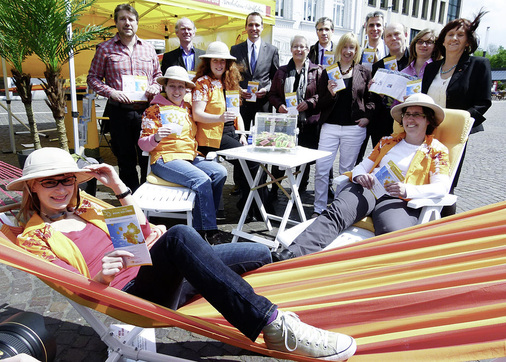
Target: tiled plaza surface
{"type": "Point", "coordinates": [481, 183]}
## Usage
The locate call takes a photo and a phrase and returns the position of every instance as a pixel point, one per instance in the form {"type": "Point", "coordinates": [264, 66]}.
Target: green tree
{"type": "Point", "coordinates": [498, 60]}
{"type": "Point", "coordinates": [46, 22]}
{"type": "Point", "coordinates": [14, 48]}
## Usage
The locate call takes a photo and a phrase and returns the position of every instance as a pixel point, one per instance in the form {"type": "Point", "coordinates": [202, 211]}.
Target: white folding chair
{"type": "Point", "coordinates": [157, 197]}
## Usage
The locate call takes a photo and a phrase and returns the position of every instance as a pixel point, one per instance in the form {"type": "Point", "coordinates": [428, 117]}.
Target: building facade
{"type": "Point", "coordinates": [299, 16]}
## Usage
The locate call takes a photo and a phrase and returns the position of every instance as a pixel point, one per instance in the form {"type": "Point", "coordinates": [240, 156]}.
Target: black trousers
{"type": "Point", "coordinates": [125, 130]}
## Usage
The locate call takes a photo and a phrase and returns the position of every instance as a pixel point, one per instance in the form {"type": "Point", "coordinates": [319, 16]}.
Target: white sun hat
{"type": "Point", "coordinates": [218, 50]}
{"type": "Point", "coordinates": [176, 72]}
{"type": "Point", "coordinates": [46, 162]}
{"type": "Point", "coordinates": [418, 99]}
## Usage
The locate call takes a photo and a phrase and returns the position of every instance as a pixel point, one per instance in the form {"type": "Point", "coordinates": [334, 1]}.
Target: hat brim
{"type": "Point", "coordinates": [82, 175]}
{"type": "Point", "coordinates": [217, 56]}
{"type": "Point", "coordinates": [163, 81]}
{"type": "Point", "coordinates": [396, 111]}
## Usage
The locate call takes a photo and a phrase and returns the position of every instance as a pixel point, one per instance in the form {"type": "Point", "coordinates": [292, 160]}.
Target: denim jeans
{"type": "Point", "coordinates": [204, 177]}
{"type": "Point", "coordinates": [180, 254]}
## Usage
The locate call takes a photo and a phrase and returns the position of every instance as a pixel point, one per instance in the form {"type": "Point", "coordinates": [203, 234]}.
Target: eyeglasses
{"type": "Point", "coordinates": [51, 183]}
{"type": "Point", "coordinates": [425, 42]}
{"type": "Point", "coordinates": [414, 115]}
{"type": "Point", "coordinates": [297, 47]}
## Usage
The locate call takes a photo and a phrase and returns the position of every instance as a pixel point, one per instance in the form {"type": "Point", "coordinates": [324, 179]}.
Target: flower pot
{"type": "Point", "coordinates": [22, 155]}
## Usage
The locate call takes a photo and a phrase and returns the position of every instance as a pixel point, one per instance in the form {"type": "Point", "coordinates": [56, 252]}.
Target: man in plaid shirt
{"type": "Point", "coordinates": [124, 70]}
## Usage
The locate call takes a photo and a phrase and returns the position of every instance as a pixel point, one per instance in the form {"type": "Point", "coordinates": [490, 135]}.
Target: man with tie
{"type": "Point", "coordinates": [324, 30]}
{"type": "Point", "coordinates": [186, 56]}
{"type": "Point", "coordinates": [259, 61]}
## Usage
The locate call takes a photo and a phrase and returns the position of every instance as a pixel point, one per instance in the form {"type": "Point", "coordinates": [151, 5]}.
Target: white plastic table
{"type": "Point", "coordinates": [287, 160]}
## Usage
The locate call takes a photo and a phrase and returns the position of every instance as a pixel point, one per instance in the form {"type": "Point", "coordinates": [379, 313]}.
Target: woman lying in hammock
{"type": "Point", "coordinates": [67, 228]}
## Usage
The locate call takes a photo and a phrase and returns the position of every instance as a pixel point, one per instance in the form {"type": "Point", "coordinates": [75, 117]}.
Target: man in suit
{"type": "Point", "coordinates": [382, 123]}
{"type": "Point", "coordinates": [324, 30]}
{"type": "Point", "coordinates": [374, 26]}
{"type": "Point", "coordinates": [259, 61]}
{"type": "Point", "coordinates": [186, 56]}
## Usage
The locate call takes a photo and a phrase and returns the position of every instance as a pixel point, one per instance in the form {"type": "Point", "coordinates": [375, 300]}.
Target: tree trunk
{"type": "Point", "coordinates": [24, 87]}
{"type": "Point", "coordinates": [55, 93]}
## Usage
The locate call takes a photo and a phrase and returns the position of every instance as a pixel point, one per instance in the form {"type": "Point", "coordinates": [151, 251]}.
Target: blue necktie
{"type": "Point", "coordinates": [253, 61]}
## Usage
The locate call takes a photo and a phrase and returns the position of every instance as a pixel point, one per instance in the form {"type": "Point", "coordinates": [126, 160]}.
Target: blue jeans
{"type": "Point", "coordinates": [204, 177]}
{"type": "Point", "coordinates": [181, 253]}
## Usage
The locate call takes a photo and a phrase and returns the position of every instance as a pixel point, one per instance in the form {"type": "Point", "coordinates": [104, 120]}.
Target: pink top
{"type": "Point", "coordinates": [94, 252]}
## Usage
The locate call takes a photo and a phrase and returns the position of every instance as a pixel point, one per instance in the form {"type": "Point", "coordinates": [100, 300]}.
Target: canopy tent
{"type": "Point", "coordinates": [432, 292]}
{"type": "Point", "coordinates": [215, 20]}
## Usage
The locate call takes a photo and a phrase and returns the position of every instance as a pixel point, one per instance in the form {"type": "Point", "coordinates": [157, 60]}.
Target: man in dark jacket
{"type": "Point", "coordinates": [186, 56]}
{"type": "Point", "coordinates": [324, 29]}
{"type": "Point", "coordinates": [259, 61]}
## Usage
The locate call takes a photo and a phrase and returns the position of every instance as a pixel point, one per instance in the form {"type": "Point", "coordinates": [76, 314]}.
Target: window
{"type": "Point", "coordinates": [384, 4]}
{"type": "Point", "coordinates": [371, 3]}
{"type": "Point", "coordinates": [433, 10]}
{"type": "Point", "coordinates": [310, 10]}
{"type": "Point", "coordinates": [453, 10]}
{"type": "Point", "coordinates": [395, 5]}
{"type": "Point", "coordinates": [338, 13]}
{"type": "Point", "coordinates": [442, 9]}
{"type": "Point", "coordinates": [412, 34]}
{"type": "Point", "coordinates": [279, 8]}
{"type": "Point", "coordinates": [415, 8]}
{"type": "Point", "coordinates": [405, 7]}
{"type": "Point", "coordinates": [425, 8]}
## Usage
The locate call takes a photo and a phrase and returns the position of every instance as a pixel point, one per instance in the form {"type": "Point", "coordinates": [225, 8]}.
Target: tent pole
{"type": "Point", "coordinates": [73, 95]}
{"type": "Point", "coordinates": [9, 111]}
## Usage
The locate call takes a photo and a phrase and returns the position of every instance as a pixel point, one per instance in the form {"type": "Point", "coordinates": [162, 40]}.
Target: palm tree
{"type": "Point", "coordinates": [14, 49]}
{"type": "Point", "coordinates": [47, 23]}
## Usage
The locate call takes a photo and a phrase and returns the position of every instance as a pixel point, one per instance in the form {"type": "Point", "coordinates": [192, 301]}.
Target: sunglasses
{"type": "Point", "coordinates": [51, 183]}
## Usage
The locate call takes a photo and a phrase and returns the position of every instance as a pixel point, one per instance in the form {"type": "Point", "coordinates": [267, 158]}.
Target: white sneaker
{"type": "Point", "coordinates": [288, 334]}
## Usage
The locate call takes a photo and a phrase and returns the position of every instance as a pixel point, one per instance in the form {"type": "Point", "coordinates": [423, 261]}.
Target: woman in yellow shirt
{"type": "Point", "coordinates": [218, 74]}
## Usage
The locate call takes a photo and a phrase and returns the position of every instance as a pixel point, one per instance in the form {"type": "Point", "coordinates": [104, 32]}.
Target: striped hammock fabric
{"type": "Point", "coordinates": [434, 292]}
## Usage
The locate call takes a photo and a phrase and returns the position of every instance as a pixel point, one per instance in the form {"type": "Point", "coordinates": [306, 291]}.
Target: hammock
{"type": "Point", "coordinates": [428, 293]}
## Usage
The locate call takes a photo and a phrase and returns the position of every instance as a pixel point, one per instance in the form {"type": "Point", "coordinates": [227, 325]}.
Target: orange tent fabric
{"type": "Point", "coordinates": [428, 293]}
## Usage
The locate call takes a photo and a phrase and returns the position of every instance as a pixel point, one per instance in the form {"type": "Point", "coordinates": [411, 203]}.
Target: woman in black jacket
{"type": "Point", "coordinates": [460, 81]}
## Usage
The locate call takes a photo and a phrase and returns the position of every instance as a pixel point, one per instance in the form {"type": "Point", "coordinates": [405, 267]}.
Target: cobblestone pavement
{"type": "Point", "coordinates": [480, 185]}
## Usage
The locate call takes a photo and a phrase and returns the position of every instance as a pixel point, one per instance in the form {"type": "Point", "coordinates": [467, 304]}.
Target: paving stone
{"type": "Point", "coordinates": [481, 183]}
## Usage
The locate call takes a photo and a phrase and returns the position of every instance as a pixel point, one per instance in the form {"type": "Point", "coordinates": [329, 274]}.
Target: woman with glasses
{"type": "Point", "coordinates": [459, 80]}
{"type": "Point", "coordinates": [421, 159]}
{"type": "Point", "coordinates": [66, 227]}
{"type": "Point", "coordinates": [422, 51]}
{"type": "Point", "coordinates": [301, 76]}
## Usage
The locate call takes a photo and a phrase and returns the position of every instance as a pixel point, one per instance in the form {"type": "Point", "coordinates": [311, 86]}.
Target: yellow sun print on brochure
{"type": "Point", "coordinates": [131, 234]}
{"type": "Point", "coordinates": [293, 102]}
{"type": "Point", "coordinates": [370, 58]}
{"type": "Point", "coordinates": [254, 89]}
{"type": "Point", "coordinates": [235, 102]}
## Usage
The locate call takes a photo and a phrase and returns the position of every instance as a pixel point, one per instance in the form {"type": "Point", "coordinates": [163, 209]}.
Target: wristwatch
{"type": "Point", "coordinates": [124, 194]}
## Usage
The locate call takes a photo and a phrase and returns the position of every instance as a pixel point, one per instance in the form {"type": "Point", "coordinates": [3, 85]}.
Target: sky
{"type": "Point", "coordinates": [495, 19]}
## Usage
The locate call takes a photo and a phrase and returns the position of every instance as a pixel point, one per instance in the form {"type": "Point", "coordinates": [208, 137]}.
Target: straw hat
{"type": "Point", "coordinates": [46, 162]}
{"type": "Point", "coordinates": [218, 50]}
{"type": "Point", "coordinates": [176, 72]}
{"type": "Point", "coordinates": [418, 99]}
